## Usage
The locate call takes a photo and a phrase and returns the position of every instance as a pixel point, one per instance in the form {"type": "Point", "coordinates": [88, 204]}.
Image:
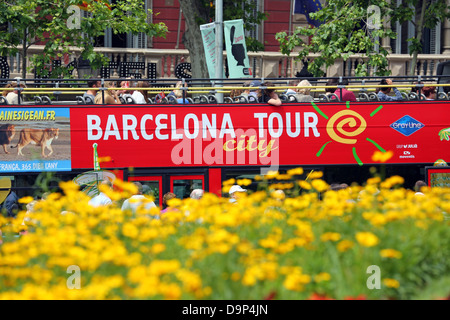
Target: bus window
{"type": "Point", "coordinates": [151, 186]}
{"type": "Point", "coordinates": [182, 186]}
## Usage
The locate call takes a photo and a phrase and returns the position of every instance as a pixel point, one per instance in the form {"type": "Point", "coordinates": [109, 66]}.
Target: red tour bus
{"type": "Point", "coordinates": [181, 147]}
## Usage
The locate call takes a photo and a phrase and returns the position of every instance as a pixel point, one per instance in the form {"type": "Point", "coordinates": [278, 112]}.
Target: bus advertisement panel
{"type": "Point", "coordinates": [35, 139]}
{"type": "Point", "coordinates": [261, 135]}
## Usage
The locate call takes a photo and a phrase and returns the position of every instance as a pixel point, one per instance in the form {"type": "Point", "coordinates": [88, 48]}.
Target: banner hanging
{"type": "Point", "coordinates": [209, 45]}
{"type": "Point", "coordinates": [238, 63]}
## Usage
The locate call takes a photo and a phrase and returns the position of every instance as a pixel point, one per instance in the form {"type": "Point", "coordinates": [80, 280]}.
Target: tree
{"type": "Point", "coordinates": [57, 25]}
{"type": "Point", "coordinates": [198, 12]}
{"type": "Point", "coordinates": [345, 31]}
{"type": "Point", "coordinates": [348, 28]}
{"type": "Point", "coordinates": [430, 14]}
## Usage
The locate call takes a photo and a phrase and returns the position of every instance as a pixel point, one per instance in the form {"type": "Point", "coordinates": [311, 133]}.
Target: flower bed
{"type": "Point", "coordinates": [379, 241]}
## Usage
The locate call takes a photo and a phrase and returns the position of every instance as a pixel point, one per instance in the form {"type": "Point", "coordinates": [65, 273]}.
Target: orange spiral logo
{"type": "Point", "coordinates": [349, 119]}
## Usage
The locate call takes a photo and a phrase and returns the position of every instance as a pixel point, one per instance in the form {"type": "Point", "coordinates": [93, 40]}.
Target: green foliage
{"type": "Point", "coordinates": [427, 13]}
{"type": "Point", "coordinates": [51, 23]}
{"type": "Point", "coordinates": [344, 32]}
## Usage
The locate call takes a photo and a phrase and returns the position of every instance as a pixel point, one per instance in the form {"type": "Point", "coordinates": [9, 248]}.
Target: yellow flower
{"type": "Point", "coordinates": [284, 177]}
{"type": "Point", "coordinates": [130, 230]}
{"type": "Point", "coordinates": [174, 202]}
{"type": "Point", "coordinates": [323, 276]}
{"type": "Point", "coordinates": [379, 156]}
{"type": "Point", "coordinates": [244, 182]}
{"type": "Point", "coordinates": [296, 281]}
{"type": "Point", "coordinates": [375, 180]}
{"type": "Point", "coordinates": [104, 159]}
{"type": "Point", "coordinates": [296, 171]}
{"type": "Point", "coordinates": [319, 185]}
{"type": "Point", "coordinates": [304, 185]}
{"type": "Point", "coordinates": [367, 239]}
{"type": "Point", "coordinates": [69, 186]}
{"type": "Point", "coordinates": [315, 175]}
{"type": "Point", "coordinates": [235, 276]}
{"type": "Point", "coordinates": [26, 200]}
{"type": "Point", "coordinates": [278, 194]}
{"type": "Point", "coordinates": [330, 236]}
{"type": "Point", "coordinates": [344, 245]}
{"type": "Point", "coordinates": [271, 175]}
{"type": "Point", "coordinates": [391, 283]}
{"type": "Point", "coordinates": [158, 248]}
{"type": "Point", "coordinates": [378, 219]}
{"type": "Point", "coordinates": [390, 253]}
{"type": "Point", "coordinates": [229, 182]}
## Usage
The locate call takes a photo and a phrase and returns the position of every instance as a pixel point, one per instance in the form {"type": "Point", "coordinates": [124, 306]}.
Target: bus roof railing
{"type": "Point", "coordinates": [43, 90]}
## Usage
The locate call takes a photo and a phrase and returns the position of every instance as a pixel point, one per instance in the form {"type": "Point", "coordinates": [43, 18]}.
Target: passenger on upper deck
{"type": "Point", "coordinates": [256, 92]}
{"type": "Point", "coordinates": [13, 96]}
{"type": "Point", "coordinates": [429, 93]}
{"type": "Point", "coordinates": [290, 91]}
{"type": "Point", "coordinates": [303, 94]}
{"type": "Point", "coordinates": [347, 95]}
{"type": "Point", "coordinates": [178, 93]}
{"type": "Point", "coordinates": [5, 92]}
{"type": "Point", "coordinates": [141, 85]}
{"type": "Point", "coordinates": [246, 92]}
{"type": "Point", "coordinates": [384, 91]}
{"type": "Point", "coordinates": [137, 95]}
{"type": "Point", "coordinates": [125, 85]}
{"type": "Point", "coordinates": [179, 96]}
{"type": "Point", "coordinates": [331, 83]}
{"type": "Point", "coordinates": [269, 95]}
{"type": "Point", "coordinates": [92, 93]}
{"type": "Point", "coordinates": [111, 96]}
{"type": "Point", "coordinates": [418, 88]}
{"type": "Point", "coordinates": [234, 93]}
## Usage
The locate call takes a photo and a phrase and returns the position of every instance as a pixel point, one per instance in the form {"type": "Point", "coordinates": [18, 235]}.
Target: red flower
{"type": "Point", "coordinates": [270, 296]}
{"type": "Point", "coordinates": [317, 296]}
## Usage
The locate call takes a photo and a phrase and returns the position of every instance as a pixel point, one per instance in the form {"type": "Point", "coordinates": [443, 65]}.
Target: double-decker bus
{"type": "Point", "coordinates": [177, 147]}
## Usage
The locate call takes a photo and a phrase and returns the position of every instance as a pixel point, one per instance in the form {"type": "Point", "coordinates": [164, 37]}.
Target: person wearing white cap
{"type": "Point", "coordinates": [234, 192]}
{"type": "Point", "coordinates": [197, 194]}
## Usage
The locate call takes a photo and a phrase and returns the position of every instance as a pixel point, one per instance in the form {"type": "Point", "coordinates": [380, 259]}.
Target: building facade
{"type": "Point", "coordinates": [161, 56]}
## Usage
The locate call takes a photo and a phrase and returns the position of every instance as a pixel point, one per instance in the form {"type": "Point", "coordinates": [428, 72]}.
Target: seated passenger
{"type": "Point", "coordinates": [429, 93]}
{"type": "Point", "coordinates": [347, 95]}
{"type": "Point", "coordinates": [246, 92]}
{"type": "Point", "coordinates": [269, 95]}
{"type": "Point", "coordinates": [383, 94]}
{"type": "Point", "coordinates": [256, 92]}
{"type": "Point", "coordinates": [331, 83]}
{"type": "Point", "coordinates": [137, 95]}
{"type": "Point", "coordinates": [110, 96]}
{"type": "Point", "coordinates": [290, 91]}
{"type": "Point", "coordinates": [303, 94]}
{"type": "Point", "coordinates": [179, 96]}
{"type": "Point", "coordinates": [143, 84]}
{"type": "Point", "coordinates": [13, 96]}
{"type": "Point", "coordinates": [417, 89]}
{"type": "Point", "coordinates": [91, 93]}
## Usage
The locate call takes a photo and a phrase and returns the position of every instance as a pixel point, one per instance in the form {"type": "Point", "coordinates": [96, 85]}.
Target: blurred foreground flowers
{"type": "Point", "coordinates": [306, 242]}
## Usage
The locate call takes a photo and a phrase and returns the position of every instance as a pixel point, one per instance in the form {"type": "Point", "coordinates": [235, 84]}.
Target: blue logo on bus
{"type": "Point", "coordinates": [407, 125]}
